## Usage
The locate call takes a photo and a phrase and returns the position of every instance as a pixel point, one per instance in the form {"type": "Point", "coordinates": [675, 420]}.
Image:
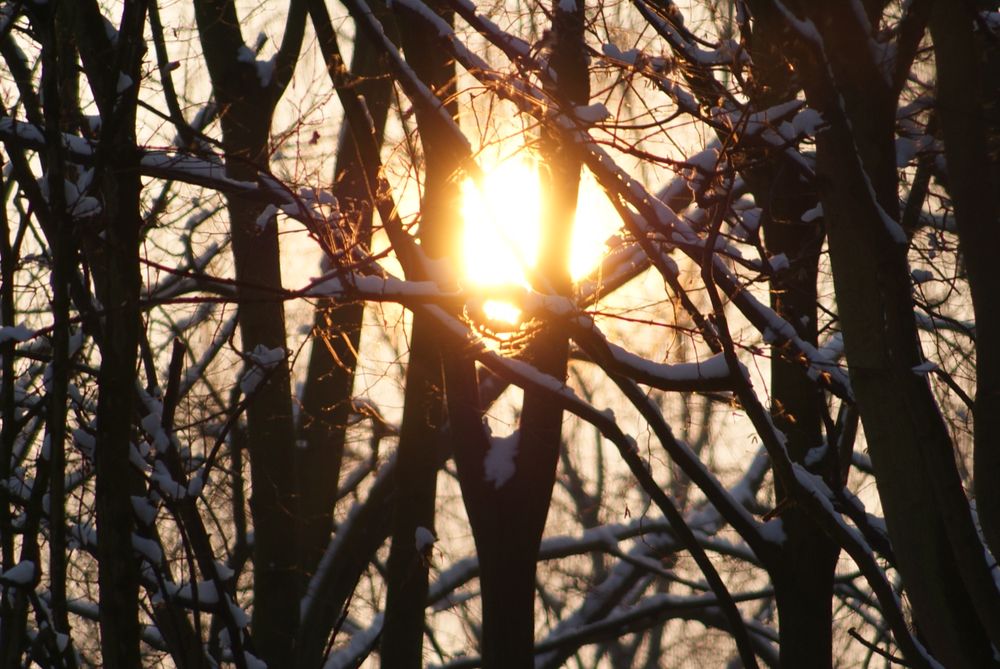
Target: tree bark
{"type": "Point", "coordinates": [969, 121]}
{"type": "Point", "coordinates": [508, 518]}
{"type": "Point", "coordinates": [248, 103]}
{"type": "Point", "coordinates": [416, 471]}
{"type": "Point", "coordinates": [803, 568]}
{"type": "Point", "coordinates": [927, 515]}
{"type": "Point", "coordinates": [58, 77]}
{"type": "Point", "coordinates": [326, 394]}
{"type": "Point", "coordinates": [115, 259]}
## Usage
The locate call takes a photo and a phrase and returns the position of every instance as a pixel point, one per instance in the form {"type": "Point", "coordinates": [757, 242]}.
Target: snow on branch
{"type": "Point", "coordinates": [653, 214]}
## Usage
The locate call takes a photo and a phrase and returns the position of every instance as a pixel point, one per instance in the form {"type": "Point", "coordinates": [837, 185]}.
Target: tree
{"type": "Point", "coordinates": [796, 305]}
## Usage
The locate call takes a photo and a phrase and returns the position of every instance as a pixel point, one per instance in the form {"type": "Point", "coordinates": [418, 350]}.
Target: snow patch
{"type": "Point", "coordinates": [815, 455]}
{"type": "Point", "coordinates": [779, 263]}
{"type": "Point", "coordinates": [16, 333]}
{"type": "Point", "coordinates": [265, 68]}
{"type": "Point", "coordinates": [266, 217]}
{"type": "Point", "coordinates": [750, 219]}
{"type": "Point", "coordinates": [77, 204]}
{"type": "Point", "coordinates": [204, 592]}
{"type": "Point", "coordinates": [147, 548]}
{"type": "Point", "coordinates": [195, 487]}
{"type": "Point", "coordinates": [706, 159]}
{"type": "Point", "coordinates": [144, 510]}
{"type": "Point", "coordinates": [85, 441]}
{"type": "Point", "coordinates": [613, 52]}
{"type": "Point", "coordinates": [499, 463]}
{"type": "Point", "coordinates": [357, 648]}
{"type": "Point", "coordinates": [152, 425]}
{"type": "Point", "coordinates": [906, 150]}
{"type": "Point", "coordinates": [262, 359]}
{"type": "Point", "coordinates": [253, 662]}
{"type": "Point", "coordinates": [594, 113]}
{"type": "Point", "coordinates": [424, 539]}
{"type": "Point", "coordinates": [23, 573]}
{"type": "Point", "coordinates": [812, 214]}
{"type": "Point", "coordinates": [714, 367]}
{"type": "Point", "coordinates": [807, 121]}
{"type": "Point", "coordinates": [265, 71]}
{"type": "Point", "coordinates": [774, 531]}
{"type": "Point", "coordinates": [165, 483]}
{"type": "Point", "coordinates": [124, 83]}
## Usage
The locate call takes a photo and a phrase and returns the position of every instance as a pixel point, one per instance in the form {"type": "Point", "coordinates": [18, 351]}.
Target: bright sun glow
{"type": "Point", "coordinates": [502, 229]}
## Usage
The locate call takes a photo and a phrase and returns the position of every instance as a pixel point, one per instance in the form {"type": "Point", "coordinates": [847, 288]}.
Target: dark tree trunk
{"type": "Point", "coordinates": [803, 568]}
{"type": "Point", "coordinates": [803, 574]}
{"type": "Point", "coordinates": [939, 555]}
{"type": "Point", "coordinates": [270, 431]}
{"type": "Point", "coordinates": [508, 518]}
{"type": "Point", "coordinates": [115, 260]}
{"type": "Point", "coordinates": [248, 104]}
{"type": "Point", "coordinates": [968, 94]}
{"type": "Point", "coordinates": [417, 461]}
{"type": "Point", "coordinates": [326, 394]}
{"type": "Point", "coordinates": [61, 101]}
{"type": "Point", "coordinates": [413, 503]}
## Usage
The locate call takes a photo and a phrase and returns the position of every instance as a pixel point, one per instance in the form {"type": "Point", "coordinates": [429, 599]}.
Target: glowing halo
{"type": "Point", "coordinates": [501, 229]}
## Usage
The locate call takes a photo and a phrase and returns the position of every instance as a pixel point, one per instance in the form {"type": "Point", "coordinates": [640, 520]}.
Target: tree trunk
{"type": "Point", "coordinates": [416, 471]}
{"type": "Point", "coordinates": [247, 101]}
{"type": "Point", "coordinates": [270, 430]}
{"type": "Point", "coordinates": [117, 282]}
{"type": "Point", "coordinates": [803, 569]}
{"type": "Point", "coordinates": [326, 394]}
{"type": "Point", "coordinates": [803, 575]}
{"type": "Point", "coordinates": [927, 515]}
{"type": "Point", "coordinates": [968, 125]}
{"type": "Point", "coordinates": [508, 518]}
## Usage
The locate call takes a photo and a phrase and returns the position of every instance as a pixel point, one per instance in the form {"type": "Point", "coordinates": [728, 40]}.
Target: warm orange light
{"type": "Point", "coordinates": [501, 218]}
{"type": "Point", "coordinates": [501, 224]}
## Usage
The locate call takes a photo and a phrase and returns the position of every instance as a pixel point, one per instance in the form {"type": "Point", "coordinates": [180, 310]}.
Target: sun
{"type": "Point", "coordinates": [500, 240]}
{"type": "Point", "coordinates": [501, 229]}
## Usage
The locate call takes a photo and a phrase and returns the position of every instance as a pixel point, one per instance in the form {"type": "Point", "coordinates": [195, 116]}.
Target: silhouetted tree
{"type": "Point", "coordinates": [796, 305]}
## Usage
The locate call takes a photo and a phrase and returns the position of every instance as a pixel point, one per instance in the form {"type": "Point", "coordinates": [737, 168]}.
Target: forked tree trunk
{"type": "Point", "coordinates": [327, 392]}
{"type": "Point", "coordinates": [417, 456]}
{"type": "Point", "coordinates": [508, 518]}
{"type": "Point", "coordinates": [803, 568]}
{"type": "Point", "coordinates": [968, 106]}
{"type": "Point", "coordinates": [248, 103]}
{"type": "Point", "coordinates": [939, 555]}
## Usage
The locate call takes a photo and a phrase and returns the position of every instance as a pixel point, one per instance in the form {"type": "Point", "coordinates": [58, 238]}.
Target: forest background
{"type": "Point", "coordinates": [592, 334]}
